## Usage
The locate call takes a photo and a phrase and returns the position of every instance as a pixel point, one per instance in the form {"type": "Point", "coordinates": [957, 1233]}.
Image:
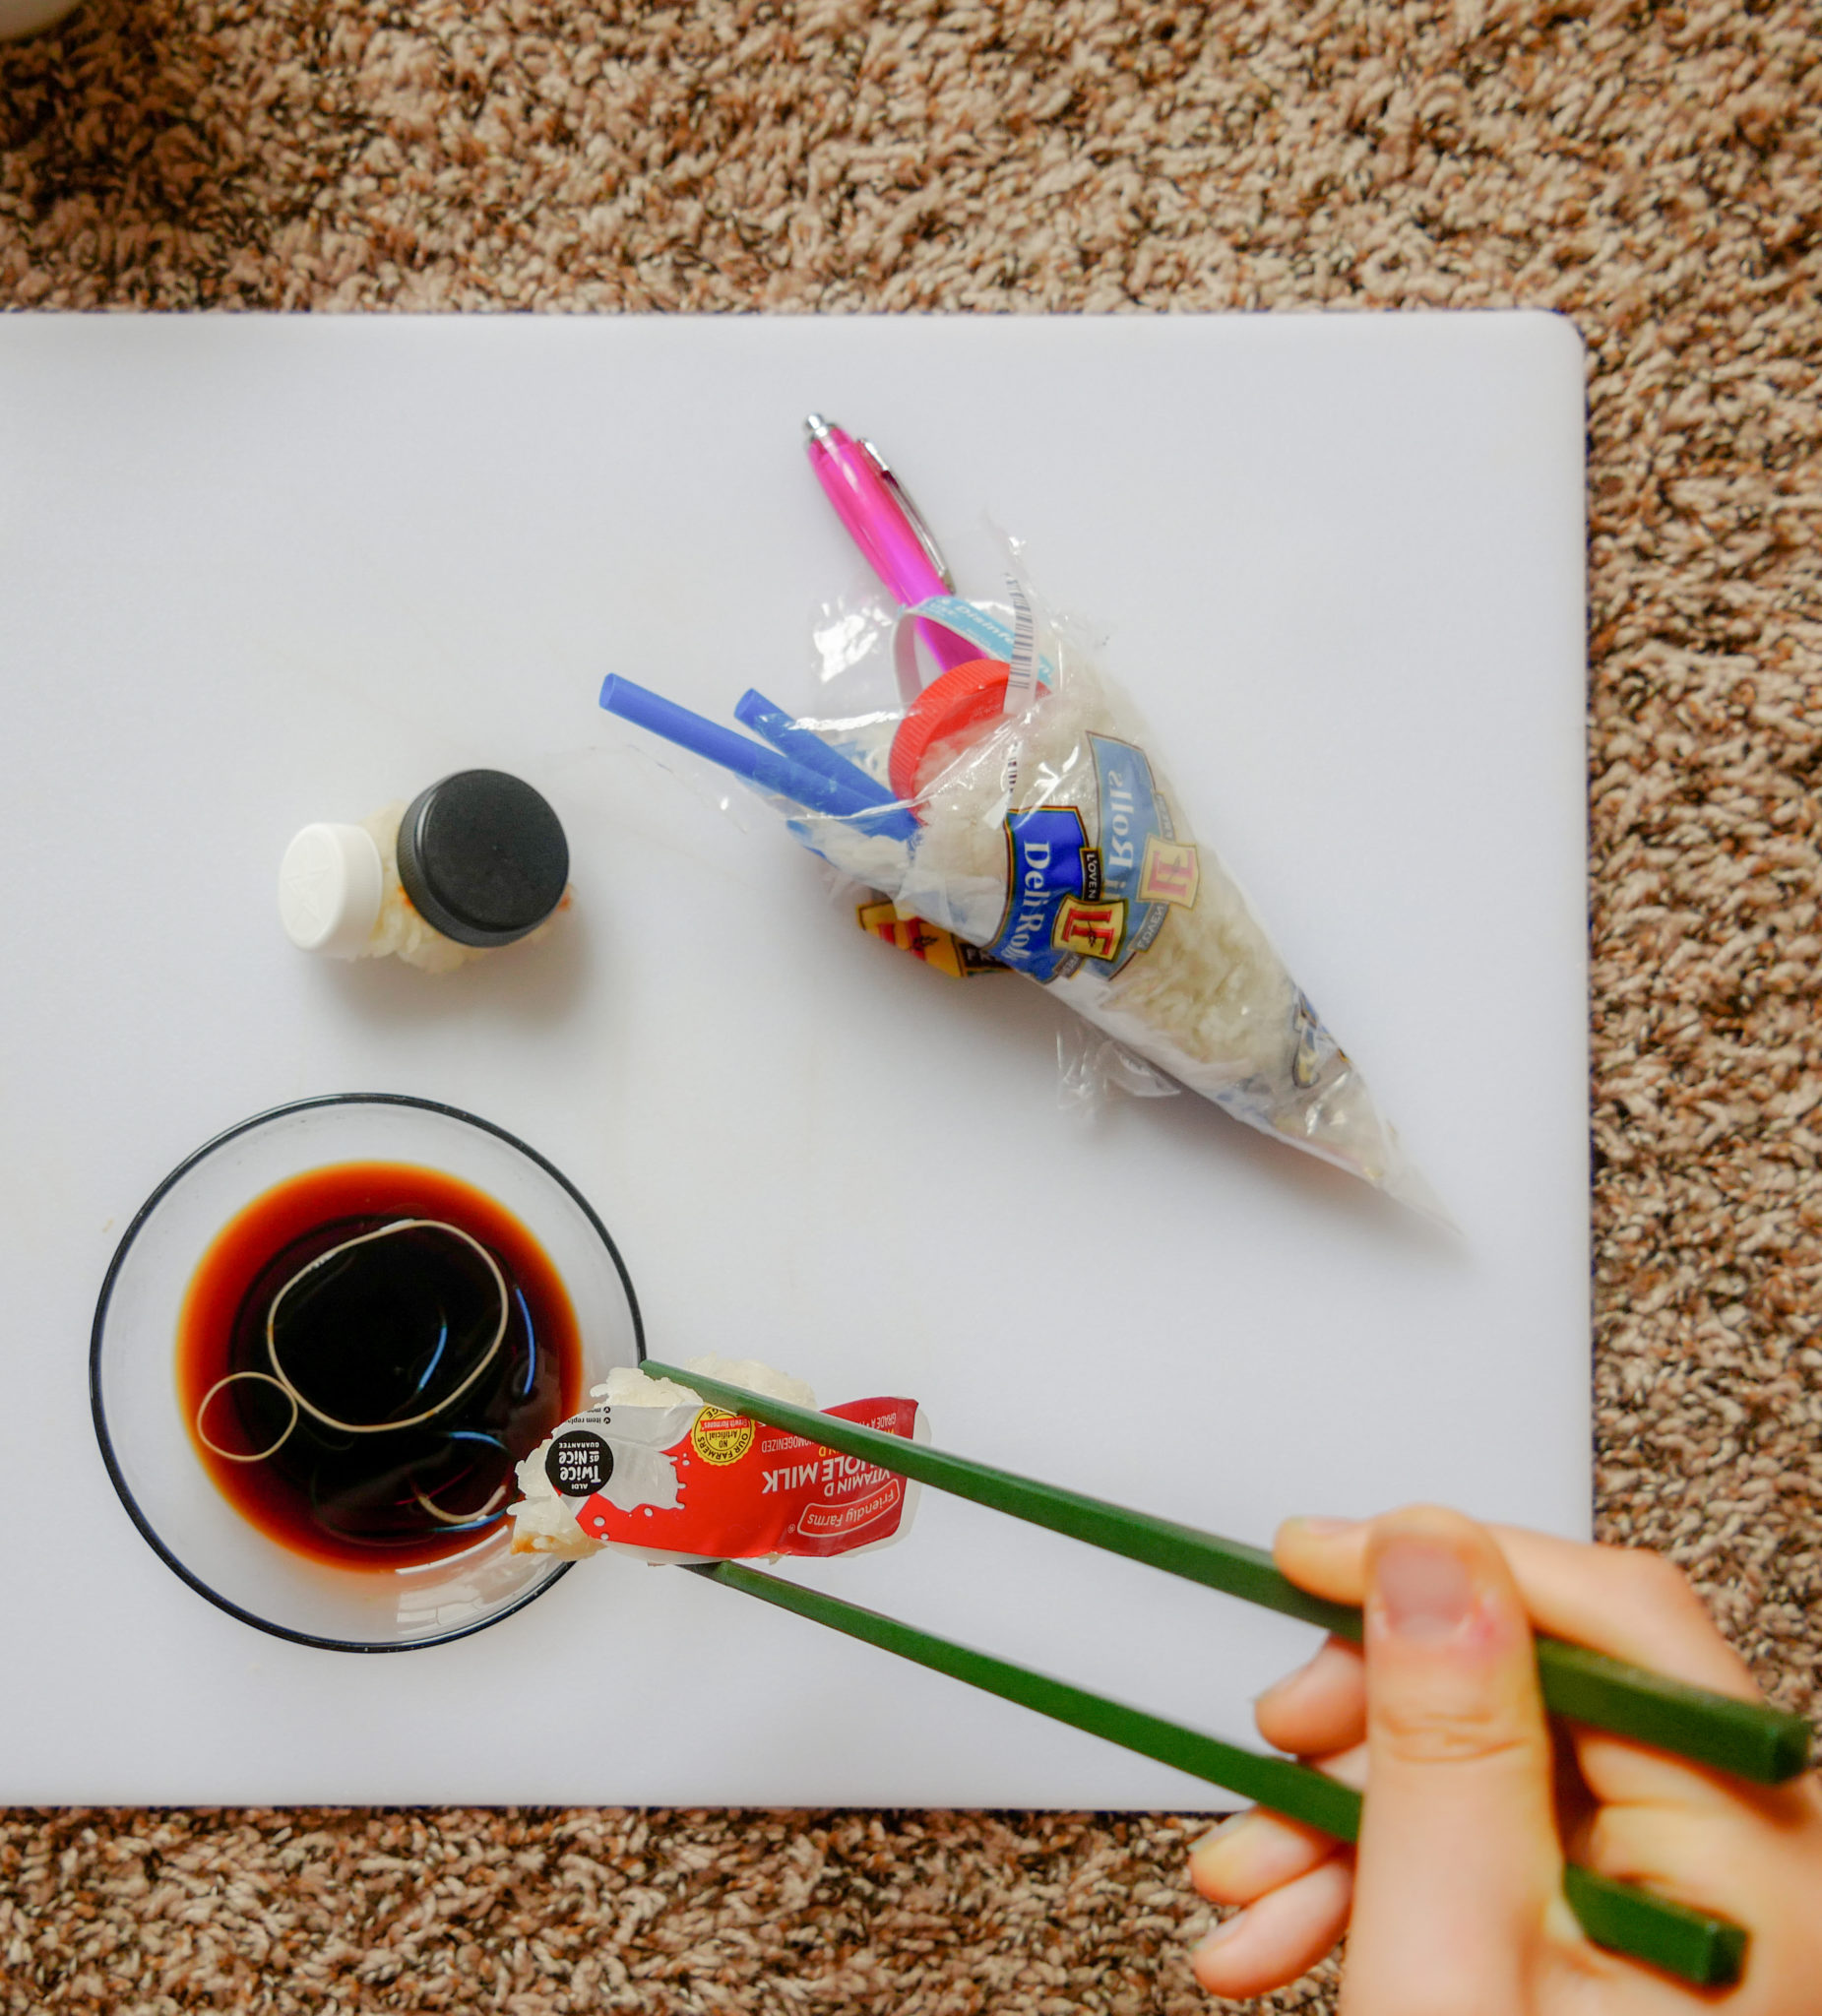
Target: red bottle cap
{"type": "Point", "coordinates": [967, 696]}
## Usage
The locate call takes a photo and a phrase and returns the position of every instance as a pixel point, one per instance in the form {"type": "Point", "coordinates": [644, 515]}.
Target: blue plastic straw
{"type": "Point", "coordinates": [760, 765]}
{"type": "Point", "coordinates": [805, 745]}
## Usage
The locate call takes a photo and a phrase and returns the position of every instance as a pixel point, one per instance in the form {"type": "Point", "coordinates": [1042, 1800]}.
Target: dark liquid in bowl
{"type": "Point", "coordinates": [387, 1331]}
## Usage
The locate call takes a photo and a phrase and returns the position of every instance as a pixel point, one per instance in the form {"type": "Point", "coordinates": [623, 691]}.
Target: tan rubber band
{"type": "Point", "coordinates": [386, 1232]}
{"type": "Point", "coordinates": [229, 1455]}
{"type": "Point", "coordinates": [300, 1405]}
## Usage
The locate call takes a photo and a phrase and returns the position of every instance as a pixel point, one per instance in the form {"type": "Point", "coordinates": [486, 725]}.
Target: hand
{"type": "Point", "coordinates": [1453, 1903]}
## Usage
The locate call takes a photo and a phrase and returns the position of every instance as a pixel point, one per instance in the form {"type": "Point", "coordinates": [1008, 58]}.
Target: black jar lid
{"type": "Point", "coordinates": [482, 857]}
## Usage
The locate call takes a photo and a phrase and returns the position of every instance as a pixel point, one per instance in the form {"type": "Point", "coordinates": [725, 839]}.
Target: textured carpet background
{"type": "Point", "coordinates": [1654, 170]}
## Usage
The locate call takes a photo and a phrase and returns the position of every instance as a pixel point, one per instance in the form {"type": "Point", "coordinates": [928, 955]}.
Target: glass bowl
{"type": "Point", "coordinates": [133, 1378]}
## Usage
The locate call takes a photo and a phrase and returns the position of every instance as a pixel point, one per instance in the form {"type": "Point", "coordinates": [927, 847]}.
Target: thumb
{"type": "Point", "coordinates": [1459, 1859]}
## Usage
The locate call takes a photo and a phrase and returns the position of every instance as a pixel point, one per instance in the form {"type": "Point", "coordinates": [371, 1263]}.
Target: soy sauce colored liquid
{"type": "Point", "coordinates": [384, 1332]}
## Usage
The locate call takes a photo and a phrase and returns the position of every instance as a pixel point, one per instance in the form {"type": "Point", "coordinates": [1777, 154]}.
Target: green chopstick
{"type": "Point", "coordinates": [1693, 1945]}
{"type": "Point", "coordinates": [1747, 1738]}
{"type": "Point", "coordinates": [1275, 1781]}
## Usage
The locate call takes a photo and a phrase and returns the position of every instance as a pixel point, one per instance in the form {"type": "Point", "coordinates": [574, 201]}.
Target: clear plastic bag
{"type": "Point", "coordinates": [1048, 835]}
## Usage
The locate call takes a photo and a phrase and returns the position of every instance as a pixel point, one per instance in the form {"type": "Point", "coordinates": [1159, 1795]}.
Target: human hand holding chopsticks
{"type": "Point", "coordinates": [1453, 1901]}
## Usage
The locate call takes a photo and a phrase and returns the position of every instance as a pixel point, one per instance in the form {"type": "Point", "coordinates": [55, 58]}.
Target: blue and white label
{"type": "Point", "coordinates": [1048, 863]}
{"type": "Point", "coordinates": [1094, 888]}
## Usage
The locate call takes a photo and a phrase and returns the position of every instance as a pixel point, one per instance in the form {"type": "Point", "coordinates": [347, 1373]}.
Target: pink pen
{"type": "Point", "coordinates": [886, 526]}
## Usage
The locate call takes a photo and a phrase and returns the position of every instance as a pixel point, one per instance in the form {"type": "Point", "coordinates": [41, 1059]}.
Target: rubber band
{"type": "Point", "coordinates": [229, 1455]}
{"type": "Point", "coordinates": [449, 1399]}
{"type": "Point", "coordinates": [300, 1405]}
{"type": "Point", "coordinates": [459, 1518]}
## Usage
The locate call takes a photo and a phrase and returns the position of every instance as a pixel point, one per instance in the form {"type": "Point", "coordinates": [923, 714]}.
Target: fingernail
{"type": "Point", "coordinates": [1283, 1682]}
{"type": "Point", "coordinates": [1424, 1590]}
{"type": "Point", "coordinates": [1224, 1930]}
{"type": "Point", "coordinates": [1327, 1529]}
{"type": "Point", "coordinates": [1227, 1827]}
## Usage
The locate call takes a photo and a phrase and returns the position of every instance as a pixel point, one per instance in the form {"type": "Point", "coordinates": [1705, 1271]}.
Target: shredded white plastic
{"type": "Point", "coordinates": [399, 929]}
{"type": "Point", "coordinates": [628, 1386]}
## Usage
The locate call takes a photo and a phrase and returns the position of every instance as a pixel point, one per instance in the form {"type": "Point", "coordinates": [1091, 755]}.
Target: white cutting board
{"type": "Point", "coordinates": [255, 572]}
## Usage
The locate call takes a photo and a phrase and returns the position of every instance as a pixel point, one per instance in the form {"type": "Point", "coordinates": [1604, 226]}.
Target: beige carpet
{"type": "Point", "coordinates": [1656, 170]}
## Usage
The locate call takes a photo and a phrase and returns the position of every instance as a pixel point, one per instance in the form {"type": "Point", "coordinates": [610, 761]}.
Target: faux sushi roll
{"type": "Point", "coordinates": [476, 861]}
{"type": "Point", "coordinates": [650, 1469]}
{"type": "Point", "coordinates": [638, 1410]}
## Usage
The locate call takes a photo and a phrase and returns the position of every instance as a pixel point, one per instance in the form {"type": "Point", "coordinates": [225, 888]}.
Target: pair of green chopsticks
{"type": "Point", "coordinates": [1744, 1737]}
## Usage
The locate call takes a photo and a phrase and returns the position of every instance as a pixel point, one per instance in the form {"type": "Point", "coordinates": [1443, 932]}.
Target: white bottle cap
{"type": "Point", "coordinates": [329, 885]}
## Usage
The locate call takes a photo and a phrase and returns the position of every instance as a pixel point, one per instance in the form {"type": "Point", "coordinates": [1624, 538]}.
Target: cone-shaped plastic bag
{"type": "Point", "coordinates": [1050, 834]}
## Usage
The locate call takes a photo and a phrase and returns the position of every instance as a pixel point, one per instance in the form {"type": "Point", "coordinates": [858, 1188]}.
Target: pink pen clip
{"type": "Point", "coordinates": [887, 527]}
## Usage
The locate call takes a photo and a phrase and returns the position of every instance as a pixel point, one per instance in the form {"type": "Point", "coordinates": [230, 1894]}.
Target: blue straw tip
{"type": "Point", "coordinates": [610, 691]}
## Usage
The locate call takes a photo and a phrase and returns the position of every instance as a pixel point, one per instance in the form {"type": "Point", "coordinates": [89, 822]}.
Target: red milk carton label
{"type": "Point", "coordinates": [745, 1489]}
